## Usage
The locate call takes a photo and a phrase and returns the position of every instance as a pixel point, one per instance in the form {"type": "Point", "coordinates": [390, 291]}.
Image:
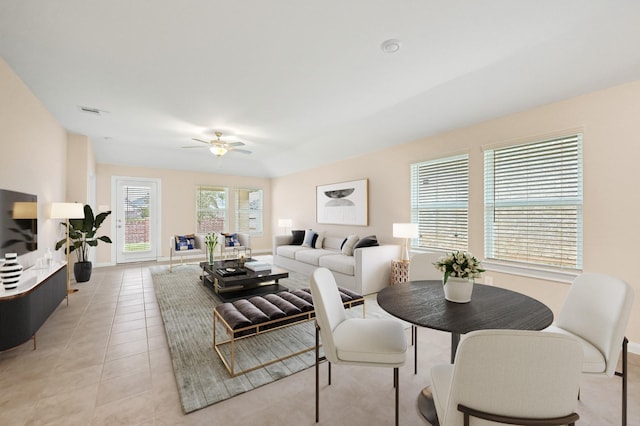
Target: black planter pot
{"type": "Point", "coordinates": [82, 271]}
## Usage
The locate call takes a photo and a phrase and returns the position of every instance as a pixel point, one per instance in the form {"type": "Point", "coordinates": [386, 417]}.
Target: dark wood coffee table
{"type": "Point", "coordinates": [242, 285]}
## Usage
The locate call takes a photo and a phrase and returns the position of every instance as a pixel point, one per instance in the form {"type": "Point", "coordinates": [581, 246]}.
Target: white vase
{"type": "Point", "coordinates": [458, 289]}
{"type": "Point", "coordinates": [11, 271]}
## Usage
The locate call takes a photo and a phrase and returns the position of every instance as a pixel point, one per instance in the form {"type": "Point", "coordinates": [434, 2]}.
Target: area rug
{"type": "Point", "coordinates": [187, 306]}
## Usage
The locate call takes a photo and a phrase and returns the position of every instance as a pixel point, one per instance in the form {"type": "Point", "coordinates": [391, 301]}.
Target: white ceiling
{"type": "Point", "coordinates": [304, 83]}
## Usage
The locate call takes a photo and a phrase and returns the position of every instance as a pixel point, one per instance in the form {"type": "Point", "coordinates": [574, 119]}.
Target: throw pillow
{"type": "Point", "coordinates": [308, 238]}
{"type": "Point", "coordinates": [370, 241]}
{"type": "Point", "coordinates": [347, 247]}
{"type": "Point", "coordinates": [298, 237]}
{"type": "Point", "coordinates": [320, 238]}
{"type": "Point", "coordinates": [185, 242]}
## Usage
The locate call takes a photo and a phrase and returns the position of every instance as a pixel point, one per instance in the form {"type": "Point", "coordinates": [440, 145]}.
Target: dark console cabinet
{"type": "Point", "coordinates": [23, 312]}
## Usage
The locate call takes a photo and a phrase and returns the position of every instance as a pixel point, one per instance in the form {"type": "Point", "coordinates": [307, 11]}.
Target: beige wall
{"type": "Point", "coordinates": [611, 150]}
{"type": "Point", "coordinates": [178, 201]}
{"type": "Point", "coordinates": [82, 167]}
{"type": "Point", "coordinates": [33, 158]}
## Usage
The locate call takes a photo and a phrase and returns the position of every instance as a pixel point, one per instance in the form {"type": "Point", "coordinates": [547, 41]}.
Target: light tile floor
{"type": "Point", "coordinates": [104, 360]}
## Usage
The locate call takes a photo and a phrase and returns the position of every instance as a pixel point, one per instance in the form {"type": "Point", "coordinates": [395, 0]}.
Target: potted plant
{"type": "Point", "coordinates": [82, 235]}
{"type": "Point", "coordinates": [460, 269]}
{"type": "Point", "coordinates": [211, 240]}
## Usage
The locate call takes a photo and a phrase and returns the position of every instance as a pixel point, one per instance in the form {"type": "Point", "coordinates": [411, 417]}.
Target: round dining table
{"type": "Point", "coordinates": [423, 304]}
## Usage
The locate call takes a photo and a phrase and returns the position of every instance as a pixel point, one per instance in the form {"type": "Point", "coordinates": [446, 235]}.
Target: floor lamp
{"type": "Point", "coordinates": [67, 211]}
{"type": "Point", "coordinates": [406, 231]}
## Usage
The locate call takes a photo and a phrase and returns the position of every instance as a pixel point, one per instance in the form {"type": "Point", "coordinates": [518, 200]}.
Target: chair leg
{"type": "Point", "coordinates": [396, 379]}
{"type": "Point", "coordinates": [623, 374]}
{"type": "Point", "coordinates": [317, 375]}
{"type": "Point", "coordinates": [415, 348]}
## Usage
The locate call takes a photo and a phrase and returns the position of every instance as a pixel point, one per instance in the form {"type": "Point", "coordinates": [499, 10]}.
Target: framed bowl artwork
{"type": "Point", "coordinates": [344, 203]}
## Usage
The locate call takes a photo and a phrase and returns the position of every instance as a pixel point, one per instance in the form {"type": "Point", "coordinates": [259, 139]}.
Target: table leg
{"type": "Point", "coordinates": [427, 407]}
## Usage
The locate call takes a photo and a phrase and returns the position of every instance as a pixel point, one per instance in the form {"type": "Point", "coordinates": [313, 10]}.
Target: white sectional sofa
{"type": "Point", "coordinates": [366, 271]}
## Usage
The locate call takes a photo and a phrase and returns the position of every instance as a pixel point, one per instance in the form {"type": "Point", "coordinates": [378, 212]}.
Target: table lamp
{"type": "Point", "coordinates": [67, 211]}
{"type": "Point", "coordinates": [285, 223]}
{"type": "Point", "coordinates": [406, 231]}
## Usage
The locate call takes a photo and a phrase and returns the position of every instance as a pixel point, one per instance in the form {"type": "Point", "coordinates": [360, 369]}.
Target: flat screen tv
{"type": "Point", "coordinates": [18, 222]}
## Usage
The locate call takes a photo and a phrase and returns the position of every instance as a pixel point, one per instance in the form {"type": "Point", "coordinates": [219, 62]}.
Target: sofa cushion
{"type": "Point", "coordinates": [289, 251]}
{"type": "Point", "coordinates": [349, 244]}
{"type": "Point", "coordinates": [297, 237]}
{"type": "Point", "coordinates": [370, 241]}
{"type": "Point", "coordinates": [309, 235]}
{"type": "Point", "coordinates": [332, 243]}
{"type": "Point", "coordinates": [339, 263]}
{"type": "Point", "coordinates": [312, 256]}
{"type": "Point", "coordinates": [319, 239]}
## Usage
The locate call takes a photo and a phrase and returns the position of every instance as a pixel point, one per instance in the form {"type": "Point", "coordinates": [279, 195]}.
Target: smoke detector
{"type": "Point", "coordinates": [390, 46]}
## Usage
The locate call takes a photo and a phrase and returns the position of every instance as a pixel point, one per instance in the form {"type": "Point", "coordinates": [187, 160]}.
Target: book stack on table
{"type": "Point", "coordinates": [255, 265]}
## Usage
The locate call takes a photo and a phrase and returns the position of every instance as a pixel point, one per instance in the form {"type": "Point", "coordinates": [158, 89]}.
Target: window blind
{"type": "Point", "coordinates": [211, 208]}
{"type": "Point", "coordinates": [136, 213]}
{"type": "Point", "coordinates": [249, 210]}
{"type": "Point", "coordinates": [533, 203]}
{"type": "Point", "coordinates": [440, 203]}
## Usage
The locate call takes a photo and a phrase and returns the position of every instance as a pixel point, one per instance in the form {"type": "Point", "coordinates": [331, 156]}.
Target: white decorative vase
{"type": "Point", "coordinates": [11, 271]}
{"type": "Point", "coordinates": [458, 290]}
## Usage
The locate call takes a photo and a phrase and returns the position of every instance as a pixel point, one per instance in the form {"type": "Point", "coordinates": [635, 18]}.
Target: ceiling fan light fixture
{"type": "Point", "coordinates": [218, 150]}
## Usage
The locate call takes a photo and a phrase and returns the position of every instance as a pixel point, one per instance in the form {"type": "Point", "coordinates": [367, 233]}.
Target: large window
{"type": "Point", "coordinates": [533, 203]}
{"type": "Point", "coordinates": [249, 210]}
{"type": "Point", "coordinates": [440, 203]}
{"type": "Point", "coordinates": [211, 209]}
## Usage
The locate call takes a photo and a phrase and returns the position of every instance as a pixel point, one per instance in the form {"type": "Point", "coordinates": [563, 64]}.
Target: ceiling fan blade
{"type": "Point", "coordinates": [235, 143]}
{"type": "Point", "coordinates": [242, 151]}
{"type": "Point", "coordinates": [200, 140]}
{"type": "Point", "coordinates": [194, 146]}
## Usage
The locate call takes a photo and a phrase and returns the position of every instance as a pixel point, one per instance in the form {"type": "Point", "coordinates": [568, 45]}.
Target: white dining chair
{"type": "Point", "coordinates": [596, 311]}
{"type": "Point", "coordinates": [356, 341]}
{"type": "Point", "coordinates": [421, 268]}
{"type": "Point", "coordinates": [511, 377]}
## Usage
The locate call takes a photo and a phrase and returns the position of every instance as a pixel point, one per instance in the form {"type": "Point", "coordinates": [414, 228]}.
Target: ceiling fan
{"type": "Point", "coordinates": [218, 147]}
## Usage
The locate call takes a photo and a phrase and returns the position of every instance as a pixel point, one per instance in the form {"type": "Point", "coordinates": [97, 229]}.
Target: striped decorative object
{"type": "Point", "coordinates": [11, 271]}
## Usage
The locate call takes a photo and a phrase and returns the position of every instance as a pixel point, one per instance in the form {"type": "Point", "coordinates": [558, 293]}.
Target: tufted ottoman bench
{"type": "Point", "coordinates": [256, 315]}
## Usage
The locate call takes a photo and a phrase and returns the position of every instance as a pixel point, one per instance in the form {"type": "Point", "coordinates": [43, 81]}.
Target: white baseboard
{"type": "Point", "coordinates": [634, 348]}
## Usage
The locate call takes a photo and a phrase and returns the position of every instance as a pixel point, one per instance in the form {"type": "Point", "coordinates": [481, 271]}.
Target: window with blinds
{"type": "Point", "coordinates": [533, 203]}
{"type": "Point", "coordinates": [211, 209]}
{"type": "Point", "coordinates": [136, 218]}
{"type": "Point", "coordinates": [440, 203]}
{"type": "Point", "coordinates": [249, 211]}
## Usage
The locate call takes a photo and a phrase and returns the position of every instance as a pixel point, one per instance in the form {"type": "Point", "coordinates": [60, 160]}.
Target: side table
{"type": "Point", "coordinates": [399, 271]}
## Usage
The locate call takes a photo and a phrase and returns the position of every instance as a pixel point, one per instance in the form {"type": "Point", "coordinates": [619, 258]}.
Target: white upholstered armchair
{"type": "Point", "coordinates": [596, 312]}
{"type": "Point", "coordinates": [355, 341]}
{"type": "Point", "coordinates": [511, 377]}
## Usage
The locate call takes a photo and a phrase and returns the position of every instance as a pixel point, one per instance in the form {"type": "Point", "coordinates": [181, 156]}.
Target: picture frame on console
{"type": "Point", "coordinates": [344, 203]}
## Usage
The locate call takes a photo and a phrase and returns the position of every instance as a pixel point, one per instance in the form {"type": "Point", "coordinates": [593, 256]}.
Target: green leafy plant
{"type": "Point", "coordinates": [82, 233]}
{"type": "Point", "coordinates": [459, 264]}
{"type": "Point", "coordinates": [211, 240]}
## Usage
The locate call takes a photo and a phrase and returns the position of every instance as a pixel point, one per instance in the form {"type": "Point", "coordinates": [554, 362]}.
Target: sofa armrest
{"type": "Point", "coordinates": [200, 242]}
{"type": "Point", "coordinates": [373, 267]}
{"type": "Point", "coordinates": [244, 240]}
{"type": "Point", "coordinates": [281, 240]}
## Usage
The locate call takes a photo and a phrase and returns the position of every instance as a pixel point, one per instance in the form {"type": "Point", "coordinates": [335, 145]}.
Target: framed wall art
{"type": "Point", "coordinates": [344, 203]}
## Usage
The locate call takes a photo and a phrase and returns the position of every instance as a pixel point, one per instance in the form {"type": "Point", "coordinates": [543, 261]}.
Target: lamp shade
{"type": "Point", "coordinates": [285, 223]}
{"type": "Point", "coordinates": [405, 230]}
{"type": "Point", "coordinates": [67, 211]}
